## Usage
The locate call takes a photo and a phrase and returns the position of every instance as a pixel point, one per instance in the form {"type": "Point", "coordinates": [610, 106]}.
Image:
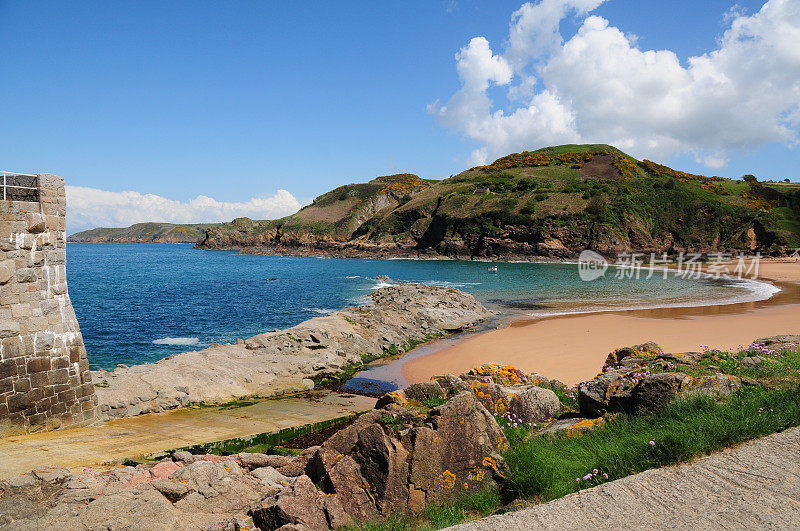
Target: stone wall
{"type": "Point", "coordinates": [45, 381]}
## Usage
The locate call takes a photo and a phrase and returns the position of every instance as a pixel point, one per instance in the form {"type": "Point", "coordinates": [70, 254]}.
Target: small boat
{"type": "Point", "coordinates": [492, 269]}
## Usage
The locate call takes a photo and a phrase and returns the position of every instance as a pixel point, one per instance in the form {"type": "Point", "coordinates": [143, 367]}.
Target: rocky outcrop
{"type": "Point", "coordinates": [289, 360]}
{"type": "Point", "coordinates": [393, 459]}
{"type": "Point", "coordinates": [637, 380]}
{"type": "Point", "coordinates": [207, 492]}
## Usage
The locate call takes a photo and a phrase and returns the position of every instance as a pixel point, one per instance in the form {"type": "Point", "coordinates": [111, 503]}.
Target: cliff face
{"type": "Point", "coordinates": [552, 203]}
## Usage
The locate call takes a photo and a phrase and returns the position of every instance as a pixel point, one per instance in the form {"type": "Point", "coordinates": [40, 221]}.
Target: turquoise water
{"type": "Point", "coordinates": [137, 303]}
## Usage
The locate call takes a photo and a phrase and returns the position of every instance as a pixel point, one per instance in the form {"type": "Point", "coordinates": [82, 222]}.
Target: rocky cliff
{"type": "Point", "coordinates": [552, 202]}
{"type": "Point", "coordinates": [396, 318]}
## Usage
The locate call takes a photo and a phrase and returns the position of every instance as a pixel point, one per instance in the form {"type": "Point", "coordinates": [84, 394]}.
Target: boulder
{"type": "Point", "coordinates": [424, 391]}
{"type": "Point", "coordinates": [396, 460]}
{"type": "Point", "coordinates": [645, 350]}
{"type": "Point", "coordinates": [494, 397]}
{"type": "Point", "coordinates": [572, 426]}
{"type": "Point", "coordinates": [452, 384]}
{"type": "Point", "coordinates": [540, 380]}
{"type": "Point", "coordinates": [535, 405]}
{"type": "Point", "coordinates": [654, 392]}
{"type": "Point", "coordinates": [750, 362]}
{"type": "Point", "coordinates": [459, 452]}
{"type": "Point", "coordinates": [685, 358]}
{"type": "Point", "coordinates": [255, 460]}
{"type": "Point", "coordinates": [297, 465]}
{"type": "Point", "coordinates": [269, 477]}
{"type": "Point", "coordinates": [778, 341]}
{"type": "Point", "coordinates": [301, 506]}
{"type": "Point", "coordinates": [500, 374]}
{"type": "Point", "coordinates": [172, 490]}
{"type": "Point", "coordinates": [717, 385]}
{"type": "Point", "coordinates": [384, 467]}
{"type": "Point", "coordinates": [594, 397]}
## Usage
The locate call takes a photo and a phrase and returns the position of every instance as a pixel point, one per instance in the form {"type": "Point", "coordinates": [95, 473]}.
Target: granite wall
{"type": "Point", "coordinates": [45, 381]}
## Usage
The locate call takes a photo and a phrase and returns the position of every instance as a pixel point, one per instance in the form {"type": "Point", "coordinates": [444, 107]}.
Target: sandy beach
{"type": "Point", "coordinates": [572, 348]}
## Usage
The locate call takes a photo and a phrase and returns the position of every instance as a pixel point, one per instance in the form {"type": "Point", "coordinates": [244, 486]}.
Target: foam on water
{"type": "Point", "coordinates": [321, 311]}
{"type": "Point", "coordinates": [184, 341]}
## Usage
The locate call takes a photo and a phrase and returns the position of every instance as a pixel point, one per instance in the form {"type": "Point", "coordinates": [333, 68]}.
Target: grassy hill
{"type": "Point", "coordinates": [145, 233]}
{"type": "Point", "coordinates": [550, 202]}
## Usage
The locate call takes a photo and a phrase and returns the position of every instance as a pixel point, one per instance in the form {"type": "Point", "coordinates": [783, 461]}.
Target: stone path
{"type": "Point", "coordinates": [147, 434]}
{"type": "Point", "coordinates": [755, 486]}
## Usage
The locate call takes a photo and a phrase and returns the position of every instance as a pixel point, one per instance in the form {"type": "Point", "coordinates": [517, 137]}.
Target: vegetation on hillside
{"type": "Point", "coordinates": [554, 201]}
{"type": "Point", "coordinates": [145, 233]}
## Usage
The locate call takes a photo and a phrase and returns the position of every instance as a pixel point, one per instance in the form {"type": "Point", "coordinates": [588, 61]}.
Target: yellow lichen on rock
{"type": "Point", "coordinates": [447, 480]}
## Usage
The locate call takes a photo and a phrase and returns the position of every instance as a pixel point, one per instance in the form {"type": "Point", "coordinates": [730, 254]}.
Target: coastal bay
{"type": "Point", "coordinates": [572, 348]}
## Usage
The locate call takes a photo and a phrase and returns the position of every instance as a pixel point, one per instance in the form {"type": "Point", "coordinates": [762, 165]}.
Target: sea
{"type": "Point", "coordinates": [138, 303]}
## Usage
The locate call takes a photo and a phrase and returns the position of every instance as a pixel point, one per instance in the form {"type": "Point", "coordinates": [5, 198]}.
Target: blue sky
{"type": "Point", "coordinates": [237, 100]}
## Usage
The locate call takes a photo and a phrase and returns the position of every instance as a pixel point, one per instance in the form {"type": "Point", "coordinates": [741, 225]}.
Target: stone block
{"type": "Point", "coordinates": [85, 390]}
{"type": "Point", "coordinates": [22, 385]}
{"type": "Point", "coordinates": [39, 364]}
{"type": "Point", "coordinates": [35, 395]}
{"type": "Point", "coordinates": [40, 379]}
{"type": "Point", "coordinates": [67, 397]}
{"type": "Point", "coordinates": [19, 311]}
{"type": "Point", "coordinates": [36, 222]}
{"type": "Point", "coordinates": [8, 328]}
{"type": "Point", "coordinates": [27, 274]}
{"type": "Point", "coordinates": [60, 376]}
{"type": "Point", "coordinates": [8, 368]}
{"type": "Point", "coordinates": [18, 402]}
{"type": "Point", "coordinates": [27, 241]}
{"type": "Point", "coordinates": [6, 271]}
{"type": "Point", "coordinates": [37, 419]}
{"type": "Point", "coordinates": [60, 363]}
{"type": "Point", "coordinates": [6, 385]}
{"type": "Point", "coordinates": [45, 341]}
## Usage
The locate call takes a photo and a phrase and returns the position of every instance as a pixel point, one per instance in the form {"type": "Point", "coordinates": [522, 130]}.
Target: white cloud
{"type": "Point", "coordinates": [90, 207]}
{"type": "Point", "coordinates": [598, 86]}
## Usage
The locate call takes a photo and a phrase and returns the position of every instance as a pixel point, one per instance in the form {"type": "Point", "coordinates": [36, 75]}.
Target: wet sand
{"type": "Point", "coordinates": [572, 348]}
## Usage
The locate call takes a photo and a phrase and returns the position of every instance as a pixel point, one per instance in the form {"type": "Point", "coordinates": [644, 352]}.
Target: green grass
{"type": "Point", "coordinates": [431, 403]}
{"type": "Point", "coordinates": [468, 506]}
{"type": "Point", "coordinates": [545, 468]}
{"type": "Point", "coordinates": [780, 368]}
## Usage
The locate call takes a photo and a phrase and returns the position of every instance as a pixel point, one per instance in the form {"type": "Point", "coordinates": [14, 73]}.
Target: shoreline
{"type": "Point", "coordinates": [573, 347]}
